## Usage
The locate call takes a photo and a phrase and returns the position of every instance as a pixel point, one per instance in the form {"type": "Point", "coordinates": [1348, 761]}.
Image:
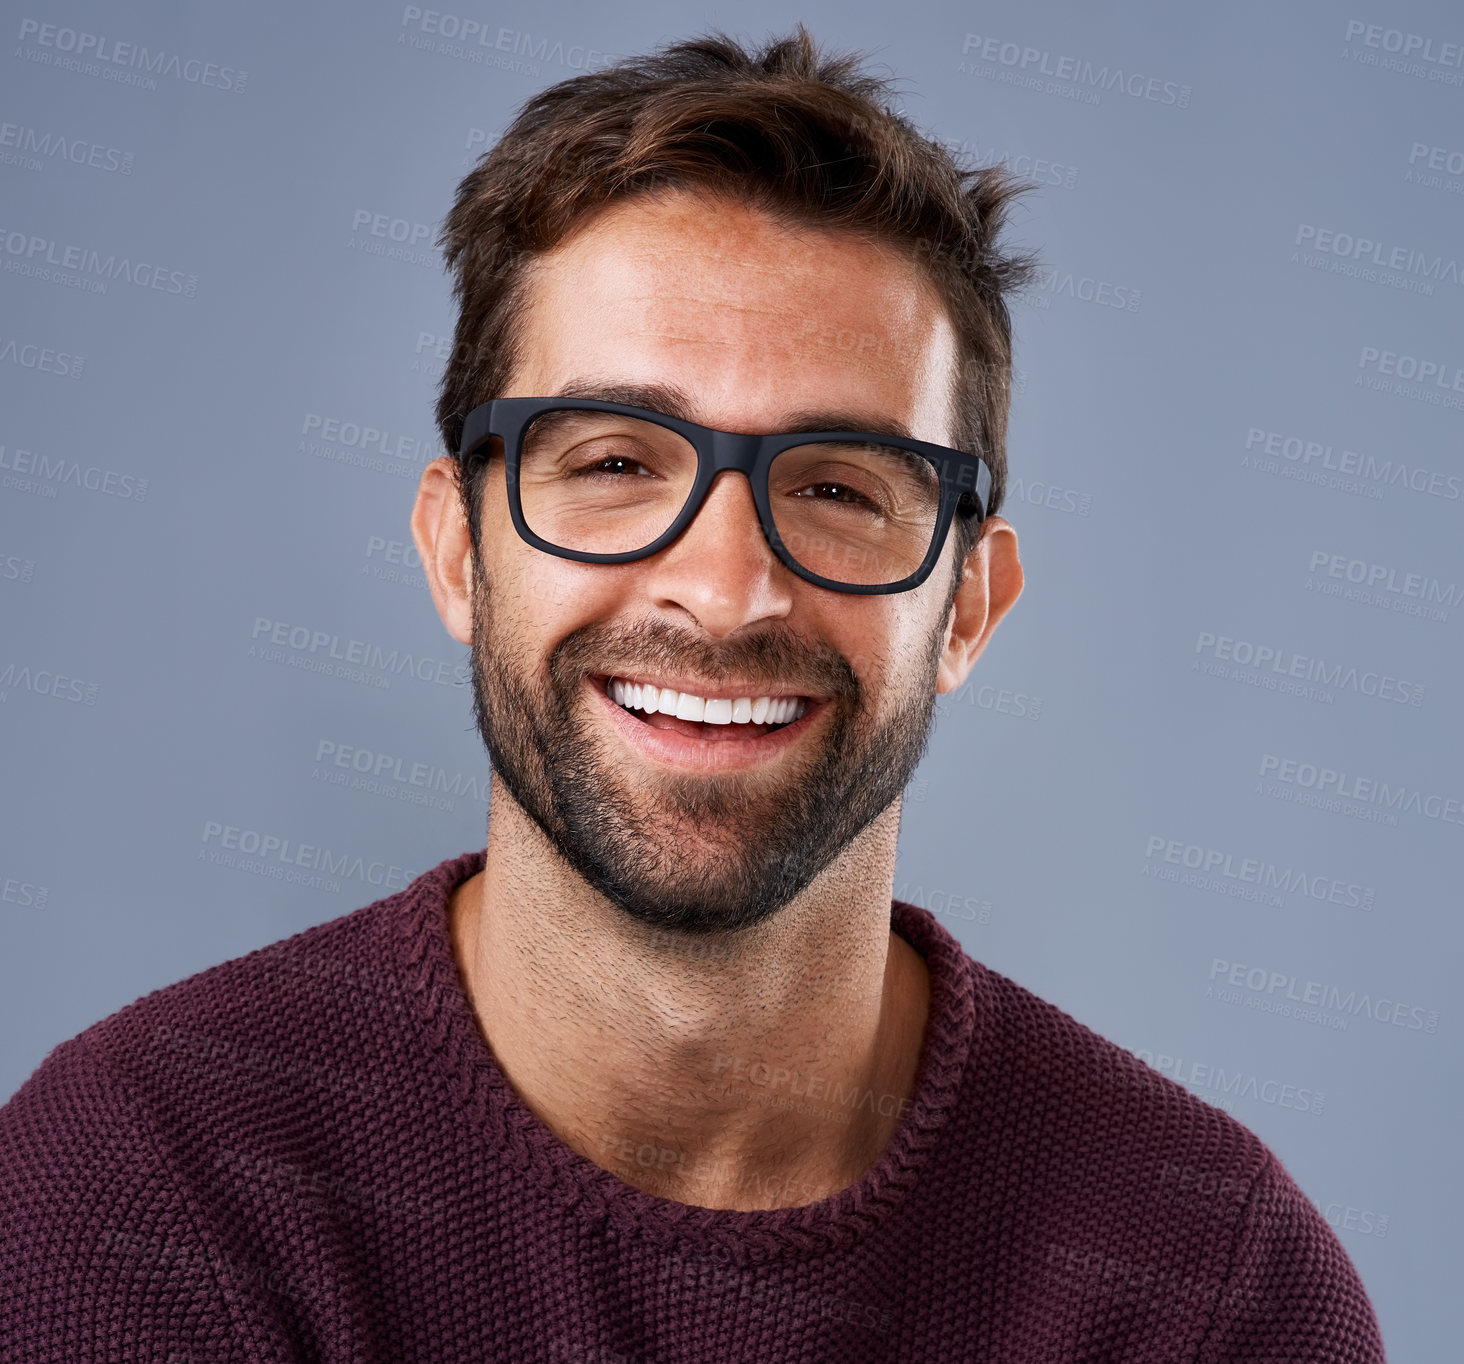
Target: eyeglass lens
{"type": "Point", "coordinates": [602, 483]}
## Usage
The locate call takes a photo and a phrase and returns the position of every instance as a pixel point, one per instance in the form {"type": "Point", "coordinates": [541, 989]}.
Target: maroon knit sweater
{"type": "Point", "coordinates": [310, 1153]}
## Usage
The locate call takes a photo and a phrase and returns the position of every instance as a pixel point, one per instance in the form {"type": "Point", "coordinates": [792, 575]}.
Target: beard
{"type": "Point", "coordinates": [695, 854]}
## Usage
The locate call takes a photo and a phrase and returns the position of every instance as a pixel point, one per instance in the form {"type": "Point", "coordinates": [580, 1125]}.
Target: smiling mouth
{"type": "Point", "coordinates": [725, 717]}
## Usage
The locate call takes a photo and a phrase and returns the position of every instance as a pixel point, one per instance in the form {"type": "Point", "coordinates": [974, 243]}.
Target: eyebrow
{"type": "Point", "coordinates": [674, 402]}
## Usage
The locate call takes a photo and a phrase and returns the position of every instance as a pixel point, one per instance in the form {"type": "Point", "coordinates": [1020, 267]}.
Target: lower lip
{"type": "Point", "coordinates": [716, 755]}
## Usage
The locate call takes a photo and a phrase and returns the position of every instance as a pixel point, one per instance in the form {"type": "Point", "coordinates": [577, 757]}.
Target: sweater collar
{"type": "Point", "coordinates": [513, 1133]}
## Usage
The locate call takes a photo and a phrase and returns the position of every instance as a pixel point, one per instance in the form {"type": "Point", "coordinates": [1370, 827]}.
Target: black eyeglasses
{"type": "Point", "coordinates": [606, 483]}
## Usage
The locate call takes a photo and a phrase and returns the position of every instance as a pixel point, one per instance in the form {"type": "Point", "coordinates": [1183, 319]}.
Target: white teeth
{"type": "Point", "coordinates": [741, 710]}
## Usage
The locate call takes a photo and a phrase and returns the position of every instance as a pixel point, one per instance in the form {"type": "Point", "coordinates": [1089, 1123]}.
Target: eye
{"type": "Point", "coordinates": [843, 492]}
{"type": "Point", "coordinates": [599, 466]}
{"type": "Point", "coordinates": [592, 460]}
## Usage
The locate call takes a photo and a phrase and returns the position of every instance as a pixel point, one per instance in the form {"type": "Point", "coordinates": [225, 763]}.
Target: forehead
{"type": "Point", "coordinates": [748, 315]}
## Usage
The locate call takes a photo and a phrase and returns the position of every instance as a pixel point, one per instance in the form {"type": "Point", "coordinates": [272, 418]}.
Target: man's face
{"type": "Point", "coordinates": [755, 327]}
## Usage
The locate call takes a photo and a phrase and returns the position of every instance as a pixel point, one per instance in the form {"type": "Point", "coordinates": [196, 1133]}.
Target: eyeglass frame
{"type": "Point", "coordinates": [960, 474]}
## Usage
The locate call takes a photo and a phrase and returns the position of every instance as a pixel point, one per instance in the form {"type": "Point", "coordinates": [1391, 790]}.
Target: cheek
{"type": "Point", "coordinates": [538, 599]}
{"type": "Point", "coordinates": [527, 587]}
{"type": "Point", "coordinates": [540, 590]}
{"type": "Point", "coordinates": [894, 653]}
{"type": "Point", "coordinates": [869, 639]}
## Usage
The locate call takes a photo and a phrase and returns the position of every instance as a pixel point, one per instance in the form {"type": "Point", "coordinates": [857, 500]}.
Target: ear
{"type": "Point", "coordinates": [991, 582]}
{"type": "Point", "coordinates": [440, 530]}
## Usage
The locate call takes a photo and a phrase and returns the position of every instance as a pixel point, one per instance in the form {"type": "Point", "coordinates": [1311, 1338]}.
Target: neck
{"type": "Point", "coordinates": [766, 1069]}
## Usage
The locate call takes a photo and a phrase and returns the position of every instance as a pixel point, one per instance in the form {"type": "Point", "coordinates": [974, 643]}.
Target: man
{"type": "Point", "coordinates": [663, 1073]}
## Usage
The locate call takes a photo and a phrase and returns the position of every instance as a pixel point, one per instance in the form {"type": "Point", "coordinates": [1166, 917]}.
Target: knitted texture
{"type": "Point", "coordinates": [310, 1153]}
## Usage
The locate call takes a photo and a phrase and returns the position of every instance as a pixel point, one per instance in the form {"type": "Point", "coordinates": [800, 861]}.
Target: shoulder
{"type": "Point", "coordinates": [291, 1009]}
{"type": "Point", "coordinates": [115, 1091]}
{"type": "Point", "coordinates": [1038, 1080]}
{"type": "Point", "coordinates": [1083, 1103]}
{"type": "Point", "coordinates": [287, 1026]}
{"type": "Point", "coordinates": [121, 1155]}
{"type": "Point", "coordinates": [106, 1253]}
{"type": "Point", "coordinates": [1140, 1193]}
{"type": "Point", "coordinates": [308, 1006]}
{"type": "Point", "coordinates": [1291, 1291]}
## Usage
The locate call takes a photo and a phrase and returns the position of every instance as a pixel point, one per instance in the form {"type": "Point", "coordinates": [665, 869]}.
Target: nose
{"type": "Point", "coordinates": [721, 571]}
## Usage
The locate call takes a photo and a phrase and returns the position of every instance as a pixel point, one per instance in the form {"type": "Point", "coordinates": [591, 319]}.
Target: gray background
{"type": "Point", "coordinates": [172, 492]}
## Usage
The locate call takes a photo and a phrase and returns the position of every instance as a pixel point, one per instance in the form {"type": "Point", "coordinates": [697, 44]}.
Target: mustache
{"type": "Point", "coordinates": [771, 658]}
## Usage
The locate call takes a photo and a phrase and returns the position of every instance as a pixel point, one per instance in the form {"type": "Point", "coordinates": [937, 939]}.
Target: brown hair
{"type": "Point", "coordinates": [803, 135]}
